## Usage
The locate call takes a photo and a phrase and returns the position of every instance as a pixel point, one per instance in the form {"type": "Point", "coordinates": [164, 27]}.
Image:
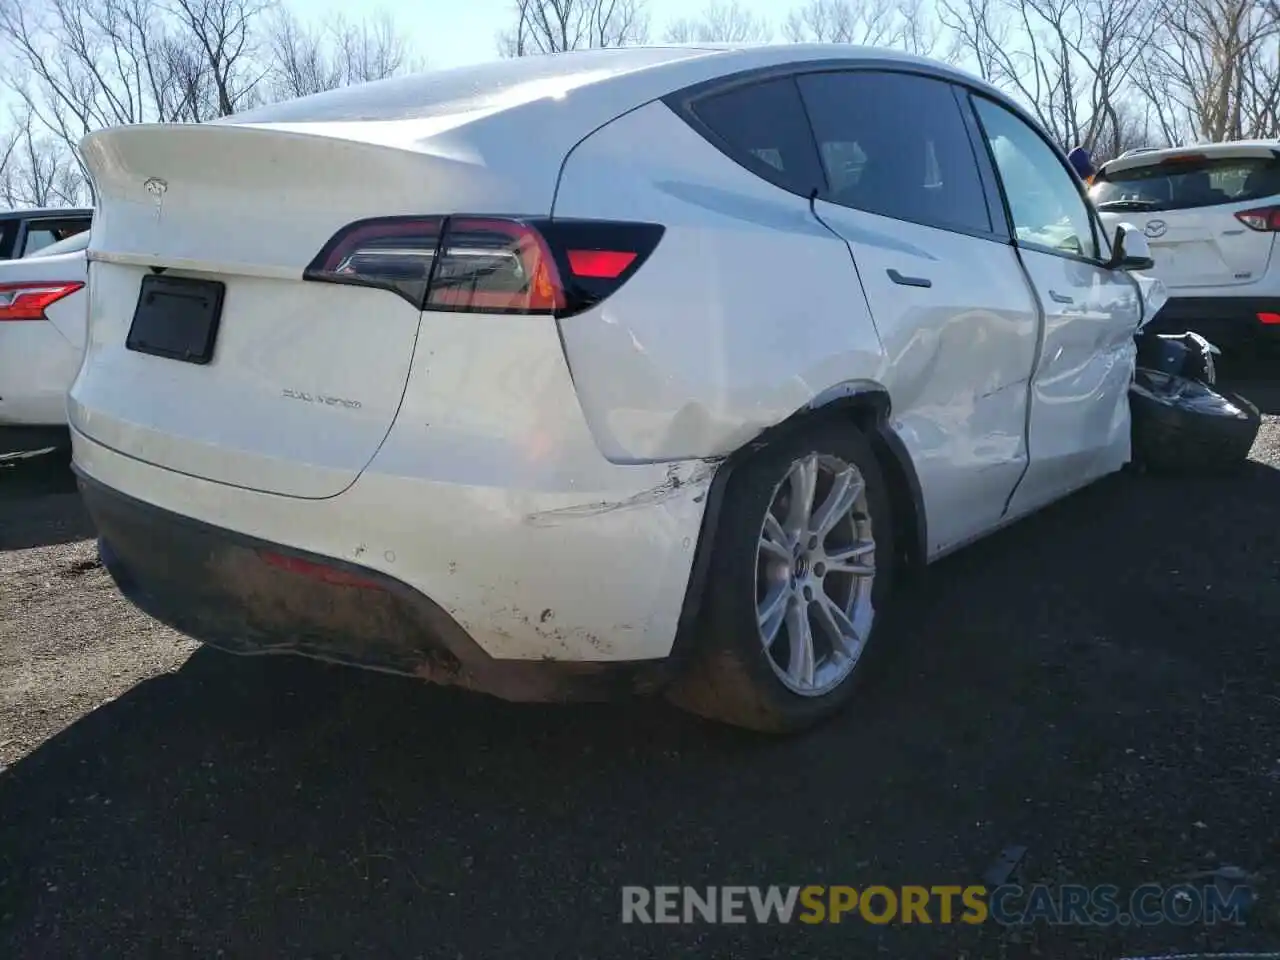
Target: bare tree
{"type": "Point", "coordinates": [979, 32]}
{"type": "Point", "coordinates": [1261, 93]}
{"type": "Point", "coordinates": [223, 31]}
{"type": "Point", "coordinates": [1071, 62]}
{"type": "Point", "coordinates": [903, 25]}
{"type": "Point", "coordinates": [76, 66]}
{"type": "Point", "coordinates": [722, 21]}
{"type": "Point", "coordinates": [1211, 70]}
{"type": "Point", "coordinates": [34, 171]}
{"type": "Point", "coordinates": [306, 60]}
{"type": "Point", "coordinates": [553, 26]}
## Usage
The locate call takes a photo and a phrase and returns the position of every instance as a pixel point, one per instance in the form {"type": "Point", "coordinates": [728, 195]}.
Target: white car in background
{"type": "Point", "coordinates": [592, 373]}
{"type": "Point", "coordinates": [1211, 214]}
{"type": "Point", "coordinates": [42, 329]}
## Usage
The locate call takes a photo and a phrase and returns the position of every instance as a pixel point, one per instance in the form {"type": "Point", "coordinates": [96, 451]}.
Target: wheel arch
{"type": "Point", "coordinates": [864, 406]}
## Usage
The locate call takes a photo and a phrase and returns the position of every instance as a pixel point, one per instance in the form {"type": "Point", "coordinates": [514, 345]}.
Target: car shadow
{"type": "Point", "coordinates": [1081, 683]}
{"type": "Point", "coordinates": [39, 503]}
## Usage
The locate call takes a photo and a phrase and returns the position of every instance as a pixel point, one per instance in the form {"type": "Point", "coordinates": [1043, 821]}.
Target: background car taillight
{"type": "Point", "coordinates": [502, 265]}
{"type": "Point", "coordinates": [1263, 218]}
{"type": "Point", "coordinates": [28, 301]}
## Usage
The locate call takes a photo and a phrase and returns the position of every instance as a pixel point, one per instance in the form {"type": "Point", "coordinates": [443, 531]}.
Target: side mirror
{"type": "Point", "coordinates": [1129, 250]}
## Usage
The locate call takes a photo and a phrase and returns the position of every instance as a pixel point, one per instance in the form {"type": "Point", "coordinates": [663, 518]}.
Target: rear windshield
{"type": "Point", "coordinates": [1183, 184]}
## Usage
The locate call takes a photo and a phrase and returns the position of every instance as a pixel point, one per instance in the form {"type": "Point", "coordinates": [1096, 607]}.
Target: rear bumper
{"type": "Point", "coordinates": [523, 593]}
{"type": "Point", "coordinates": [250, 596]}
{"type": "Point", "coordinates": [1228, 322]}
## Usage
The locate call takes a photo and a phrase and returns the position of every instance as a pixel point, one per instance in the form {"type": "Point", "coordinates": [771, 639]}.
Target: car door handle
{"type": "Point", "coordinates": [906, 281]}
{"type": "Point", "coordinates": [1059, 298]}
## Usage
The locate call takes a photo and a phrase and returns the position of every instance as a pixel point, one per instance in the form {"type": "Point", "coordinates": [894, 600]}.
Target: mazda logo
{"type": "Point", "coordinates": [1156, 228]}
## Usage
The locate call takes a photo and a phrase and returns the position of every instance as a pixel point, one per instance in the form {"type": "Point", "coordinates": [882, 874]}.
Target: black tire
{"type": "Point", "coordinates": [1173, 436]}
{"type": "Point", "coordinates": [729, 677]}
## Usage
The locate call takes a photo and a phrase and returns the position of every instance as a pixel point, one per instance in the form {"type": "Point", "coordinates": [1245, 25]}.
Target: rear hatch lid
{"type": "Point", "coordinates": [298, 383]}
{"type": "Point", "coordinates": [1186, 203]}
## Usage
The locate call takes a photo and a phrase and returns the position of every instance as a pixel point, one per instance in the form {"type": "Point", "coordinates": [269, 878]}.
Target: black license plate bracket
{"type": "Point", "coordinates": [177, 318]}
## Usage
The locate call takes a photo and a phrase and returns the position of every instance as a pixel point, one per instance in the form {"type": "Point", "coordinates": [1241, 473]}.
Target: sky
{"type": "Point", "coordinates": [452, 33]}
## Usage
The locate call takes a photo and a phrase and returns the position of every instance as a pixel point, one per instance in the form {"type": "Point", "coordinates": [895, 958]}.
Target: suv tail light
{"type": "Point", "coordinates": [506, 265]}
{"type": "Point", "coordinates": [1266, 219]}
{"type": "Point", "coordinates": [28, 301]}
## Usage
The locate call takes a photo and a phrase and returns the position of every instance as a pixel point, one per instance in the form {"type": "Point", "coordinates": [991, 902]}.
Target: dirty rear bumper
{"type": "Point", "coordinates": [249, 596]}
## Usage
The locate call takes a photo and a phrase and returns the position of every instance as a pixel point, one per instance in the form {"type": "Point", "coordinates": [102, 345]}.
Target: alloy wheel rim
{"type": "Point", "coordinates": [815, 569]}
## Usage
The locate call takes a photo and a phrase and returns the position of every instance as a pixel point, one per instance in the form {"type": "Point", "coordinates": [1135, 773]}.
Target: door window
{"type": "Point", "coordinates": [895, 144]}
{"type": "Point", "coordinates": [1045, 203]}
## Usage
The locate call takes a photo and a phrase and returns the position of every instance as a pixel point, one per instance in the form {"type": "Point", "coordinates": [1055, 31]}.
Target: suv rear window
{"type": "Point", "coordinates": [1185, 184]}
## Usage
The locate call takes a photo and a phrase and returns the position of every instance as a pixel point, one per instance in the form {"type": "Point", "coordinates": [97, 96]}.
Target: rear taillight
{"type": "Point", "coordinates": [28, 301]}
{"type": "Point", "coordinates": [1266, 219]}
{"type": "Point", "coordinates": [501, 265]}
{"type": "Point", "coordinates": [495, 266]}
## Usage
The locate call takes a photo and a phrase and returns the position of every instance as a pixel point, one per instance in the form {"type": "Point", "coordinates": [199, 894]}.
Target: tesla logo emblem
{"type": "Point", "coordinates": [157, 188]}
{"type": "Point", "coordinates": [1156, 228]}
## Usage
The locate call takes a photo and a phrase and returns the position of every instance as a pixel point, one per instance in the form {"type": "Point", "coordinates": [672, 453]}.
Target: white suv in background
{"type": "Point", "coordinates": [43, 307]}
{"type": "Point", "coordinates": [1210, 214]}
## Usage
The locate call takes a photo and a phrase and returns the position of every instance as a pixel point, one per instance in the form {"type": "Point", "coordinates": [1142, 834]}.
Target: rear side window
{"type": "Point", "coordinates": [895, 144]}
{"type": "Point", "coordinates": [1183, 184]}
{"type": "Point", "coordinates": [73, 244]}
{"type": "Point", "coordinates": [764, 128]}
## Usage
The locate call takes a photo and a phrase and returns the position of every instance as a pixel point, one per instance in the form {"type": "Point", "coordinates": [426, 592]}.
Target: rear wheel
{"type": "Point", "coordinates": [801, 567]}
{"type": "Point", "coordinates": [1182, 426]}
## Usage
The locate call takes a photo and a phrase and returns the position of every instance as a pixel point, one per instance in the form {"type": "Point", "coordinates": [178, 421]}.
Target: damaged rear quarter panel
{"type": "Point", "coordinates": [747, 310]}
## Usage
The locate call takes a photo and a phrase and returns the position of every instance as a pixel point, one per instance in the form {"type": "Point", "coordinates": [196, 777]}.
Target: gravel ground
{"type": "Point", "coordinates": [1097, 683]}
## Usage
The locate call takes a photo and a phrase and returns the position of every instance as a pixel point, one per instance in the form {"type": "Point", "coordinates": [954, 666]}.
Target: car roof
{"type": "Point", "coordinates": [638, 74]}
{"type": "Point", "coordinates": [45, 213]}
{"type": "Point", "coordinates": [551, 102]}
{"type": "Point", "coordinates": [1230, 148]}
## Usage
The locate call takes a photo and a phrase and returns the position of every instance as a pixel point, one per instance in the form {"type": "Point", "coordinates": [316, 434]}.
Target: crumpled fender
{"type": "Point", "coordinates": [1154, 295]}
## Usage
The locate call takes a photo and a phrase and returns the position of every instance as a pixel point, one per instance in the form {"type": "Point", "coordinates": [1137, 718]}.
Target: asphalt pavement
{"type": "Point", "coordinates": [1097, 684]}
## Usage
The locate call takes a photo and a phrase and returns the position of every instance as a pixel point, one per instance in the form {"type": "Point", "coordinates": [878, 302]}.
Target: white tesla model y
{"type": "Point", "coordinates": [610, 371]}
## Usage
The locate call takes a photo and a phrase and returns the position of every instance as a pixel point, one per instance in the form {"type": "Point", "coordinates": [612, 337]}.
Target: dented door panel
{"type": "Point", "coordinates": [1079, 398]}
{"type": "Point", "coordinates": [957, 357]}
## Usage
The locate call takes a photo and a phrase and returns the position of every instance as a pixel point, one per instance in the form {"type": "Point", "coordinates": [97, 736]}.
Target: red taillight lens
{"type": "Point", "coordinates": [1269, 318]}
{"type": "Point", "coordinates": [502, 265]}
{"type": "Point", "coordinates": [28, 301]}
{"type": "Point", "coordinates": [600, 264]}
{"type": "Point", "coordinates": [1266, 219]}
